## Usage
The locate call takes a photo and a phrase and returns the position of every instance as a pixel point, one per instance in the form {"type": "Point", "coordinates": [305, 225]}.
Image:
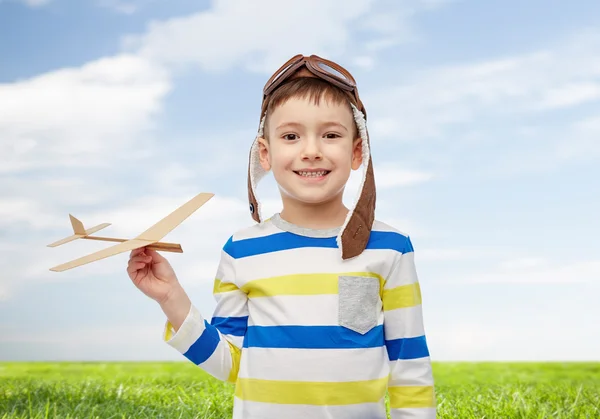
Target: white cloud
{"type": "Point", "coordinates": [389, 176]}
{"type": "Point", "coordinates": [583, 140]}
{"type": "Point", "coordinates": [31, 3]}
{"type": "Point", "coordinates": [492, 337]}
{"type": "Point", "coordinates": [569, 94]}
{"type": "Point", "coordinates": [98, 335]}
{"type": "Point", "coordinates": [126, 7]}
{"type": "Point", "coordinates": [465, 341]}
{"type": "Point", "coordinates": [545, 146]}
{"type": "Point", "coordinates": [35, 3]}
{"type": "Point", "coordinates": [17, 210]}
{"type": "Point", "coordinates": [122, 7]}
{"type": "Point", "coordinates": [366, 62]}
{"type": "Point", "coordinates": [79, 116]}
{"type": "Point", "coordinates": [523, 264]}
{"type": "Point", "coordinates": [17, 257]}
{"type": "Point", "coordinates": [259, 35]}
{"type": "Point", "coordinates": [4, 293]}
{"type": "Point", "coordinates": [435, 99]}
{"type": "Point", "coordinates": [538, 271]}
{"type": "Point", "coordinates": [115, 342]}
{"type": "Point", "coordinates": [455, 254]}
{"type": "Point", "coordinates": [386, 177]}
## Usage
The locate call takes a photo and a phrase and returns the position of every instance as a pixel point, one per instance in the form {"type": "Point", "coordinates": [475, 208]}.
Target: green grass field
{"type": "Point", "coordinates": [180, 390]}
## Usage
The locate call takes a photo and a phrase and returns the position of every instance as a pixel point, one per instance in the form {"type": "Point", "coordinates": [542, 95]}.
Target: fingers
{"type": "Point", "coordinates": [134, 267]}
{"type": "Point", "coordinates": [141, 258]}
{"type": "Point", "coordinates": [137, 251]}
{"type": "Point", "coordinates": [146, 251]}
{"type": "Point", "coordinates": [157, 257]}
{"type": "Point", "coordinates": [138, 262]}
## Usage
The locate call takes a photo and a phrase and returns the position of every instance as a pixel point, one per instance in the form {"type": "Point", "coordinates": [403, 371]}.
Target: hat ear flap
{"type": "Point", "coordinates": [355, 233]}
{"type": "Point", "coordinates": [255, 174]}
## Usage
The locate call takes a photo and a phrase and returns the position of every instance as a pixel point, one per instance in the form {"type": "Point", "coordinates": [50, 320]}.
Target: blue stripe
{"type": "Point", "coordinates": [312, 337]}
{"type": "Point", "coordinates": [378, 240]}
{"type": "Point", "coordinates": [408, 348]}
{"type": "Point", "coordinates": [235, 326]}
{"type": "Point", "coordinates": [204, 346]}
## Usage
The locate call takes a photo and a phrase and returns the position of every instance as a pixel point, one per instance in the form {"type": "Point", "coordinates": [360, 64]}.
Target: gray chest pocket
{"type": "Point", "coordinates": [359, 302]}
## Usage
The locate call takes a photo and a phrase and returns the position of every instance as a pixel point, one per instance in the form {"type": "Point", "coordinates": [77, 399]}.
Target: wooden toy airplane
{"type": "Point", "coordinates": [149, 238]}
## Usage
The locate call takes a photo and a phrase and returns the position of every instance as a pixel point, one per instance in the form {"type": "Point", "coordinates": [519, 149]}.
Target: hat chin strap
{"type": "Point", "coordinates": [256, 173]}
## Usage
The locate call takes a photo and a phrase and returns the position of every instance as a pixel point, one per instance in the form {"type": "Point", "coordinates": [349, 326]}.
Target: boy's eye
{"type": "Point", "coordinates": [332, 135]}
{"type": "Point", "coordinates": [290, 137]}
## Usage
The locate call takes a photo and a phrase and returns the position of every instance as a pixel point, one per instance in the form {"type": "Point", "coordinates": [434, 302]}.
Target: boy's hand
{"type": "Point", "coordinates": [152, 274]}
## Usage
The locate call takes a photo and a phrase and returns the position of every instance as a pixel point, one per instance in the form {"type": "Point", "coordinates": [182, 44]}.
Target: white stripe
{"type": "Point", "coordinates": [257, 230]}
{"type": "Point", "coordinates": [231, 304]}
{"type": "Point", "coordinates": [310, 310]}
{"type": "Point", "coordinates": [413, 413]}
{"type": "Point", "coordinates": [306, 310]}
{"type": "Point", "coordinates": [225, 271]}
{"type": "Point", "coordinates": [189, 332]}
{"type": "Point", "coordinates": [219, 363]}
{"type": "Point", "coordinates": [244, 409]}
{"type": "Point", "coordinates": [294, 261]}
{"type": "Point", "coordinates": [411, 372]}
{"type": "Point", "coordinates": [236, 340]}
{"type": "Point", "coordinates": [268, 228]}
{"type": "Point", "coordinates": [405, 322]}
{"type": "Point", "coordinates": [405, 272]}
{"type": "Point", "coordinates": [314, 364]}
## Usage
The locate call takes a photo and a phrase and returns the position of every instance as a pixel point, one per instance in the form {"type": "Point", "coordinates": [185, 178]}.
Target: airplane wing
{"type": "Point", "coordinates": [104, 253]}
{"type": "Point", "coordinates": [65, 240]}
{"type": "Point", "coordinates": [150, 236]}
{"type": "Point", "coordinates": [164, 226]}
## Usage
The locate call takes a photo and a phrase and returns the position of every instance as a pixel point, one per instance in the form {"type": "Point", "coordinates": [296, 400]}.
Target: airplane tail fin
{"type": "Point", "coordinates": [77, 226]}
{"type": "Point", "coordinates": [79, 231]}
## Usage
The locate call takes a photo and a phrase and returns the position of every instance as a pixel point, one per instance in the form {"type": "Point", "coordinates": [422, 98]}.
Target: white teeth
{"type": "Point", "coordinates": [312, 174]}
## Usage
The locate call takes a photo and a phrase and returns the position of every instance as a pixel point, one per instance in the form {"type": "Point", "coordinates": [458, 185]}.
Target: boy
{"type": "Point", "coordinates": [318, 308]}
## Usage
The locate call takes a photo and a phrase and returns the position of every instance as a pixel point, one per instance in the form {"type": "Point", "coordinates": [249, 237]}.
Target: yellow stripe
{"type": "Point", "coordinates": [300, 284]}
{"type": "Point", "coordinates": [310, 392]}
{"type": "Point", "coordinates": [411, 396]}
{"type": "Point", "coordinates": [220, 287]}
{"type": "Point", "coordinates": [168, 331]}
{"type": "Point", "coordinates": [235, 362]}
{"type": "Point", "coordinates": [402, 296]}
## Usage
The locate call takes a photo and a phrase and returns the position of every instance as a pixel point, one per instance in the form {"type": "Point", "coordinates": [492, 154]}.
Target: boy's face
{"type": "Point", "coordinates": [311, 149]}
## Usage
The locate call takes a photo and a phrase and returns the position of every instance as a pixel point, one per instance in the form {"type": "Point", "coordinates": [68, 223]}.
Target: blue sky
{"type": "Point", "coordinates": [484, 120]}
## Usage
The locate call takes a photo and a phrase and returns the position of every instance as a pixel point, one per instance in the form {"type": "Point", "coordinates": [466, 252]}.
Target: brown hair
{"type": "Point", "coordinates": [310, 88]}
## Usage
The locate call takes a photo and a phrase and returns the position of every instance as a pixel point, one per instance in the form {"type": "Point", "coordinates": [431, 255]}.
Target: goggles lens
{"type": "Point", "coordinates": [332, 71]}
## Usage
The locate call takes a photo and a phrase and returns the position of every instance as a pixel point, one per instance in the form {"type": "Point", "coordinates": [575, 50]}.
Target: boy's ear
{"type": "Point", "coordinates": [263, 149]}
{"type": "Point", "coordinates": [357, 156]}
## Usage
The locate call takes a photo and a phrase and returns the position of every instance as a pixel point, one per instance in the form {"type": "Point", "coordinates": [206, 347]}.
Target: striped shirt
{"type": "Point", "coordinates": [304, 334]}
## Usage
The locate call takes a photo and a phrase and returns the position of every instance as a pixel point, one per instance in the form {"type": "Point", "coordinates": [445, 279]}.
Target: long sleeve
{"type": "Point", "coordinates": [216, 346]}
{"type": "Point", "coordinates": [411, 386]}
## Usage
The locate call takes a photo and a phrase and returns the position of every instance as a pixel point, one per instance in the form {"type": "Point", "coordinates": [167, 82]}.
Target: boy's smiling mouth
{"type": "Point", "coordinates": [312, 173]}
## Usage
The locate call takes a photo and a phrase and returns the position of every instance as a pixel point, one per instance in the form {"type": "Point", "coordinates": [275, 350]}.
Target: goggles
{"type": "Point", "coordinates": [319, 67]}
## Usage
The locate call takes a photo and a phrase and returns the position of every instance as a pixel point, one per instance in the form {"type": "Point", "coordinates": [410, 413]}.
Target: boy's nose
{"type": "Point", "coordinates": [312, 150]}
